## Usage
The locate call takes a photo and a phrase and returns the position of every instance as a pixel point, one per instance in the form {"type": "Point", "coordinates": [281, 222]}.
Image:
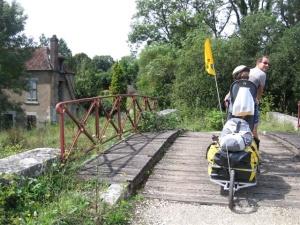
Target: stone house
{"type": "Point", "coordinates": [48, 82]}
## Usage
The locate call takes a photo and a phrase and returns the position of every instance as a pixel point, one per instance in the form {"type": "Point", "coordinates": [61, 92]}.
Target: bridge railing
{"type": "Point", "coordinates": [99, 119]}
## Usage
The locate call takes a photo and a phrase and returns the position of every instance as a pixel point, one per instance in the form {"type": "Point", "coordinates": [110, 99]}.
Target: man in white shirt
{"type": "Point", "coordinates": [258, 76]}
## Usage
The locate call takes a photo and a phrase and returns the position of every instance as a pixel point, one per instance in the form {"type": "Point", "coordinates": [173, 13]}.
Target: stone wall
{"type": "Point", "coordinates": [30, 163]}
{"type": "Point", "coordinates": [283, 118]}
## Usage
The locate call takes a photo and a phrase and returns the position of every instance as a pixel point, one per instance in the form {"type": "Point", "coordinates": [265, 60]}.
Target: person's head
{"type": "Point", "coordinates": [263, 63]}
{"type": "Point", "coordinates": [241, 72]}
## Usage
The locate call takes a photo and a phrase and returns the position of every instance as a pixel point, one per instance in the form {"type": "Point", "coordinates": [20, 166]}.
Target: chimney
{"type": "Point", "coordinates": [54, 52]}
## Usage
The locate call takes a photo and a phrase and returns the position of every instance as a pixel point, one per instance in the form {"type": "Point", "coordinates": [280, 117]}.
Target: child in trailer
{"type": "Point", "coordinates": [245, 101]}
{"type": "Point", "coordinates": [240, 72]}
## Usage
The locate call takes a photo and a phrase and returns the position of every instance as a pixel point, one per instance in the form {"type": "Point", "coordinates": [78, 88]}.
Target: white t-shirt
{"type": "Point", "coordinates": [257, 76]}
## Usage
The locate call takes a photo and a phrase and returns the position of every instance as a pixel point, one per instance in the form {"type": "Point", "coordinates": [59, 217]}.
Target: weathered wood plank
{"type": "Point", "coordinates": [182, 175]}
{"type": "Point", "coordinates": [128, 160]}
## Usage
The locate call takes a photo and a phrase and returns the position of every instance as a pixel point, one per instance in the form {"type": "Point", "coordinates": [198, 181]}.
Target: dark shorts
{"type": "Point", "coordinates": [256, 114]}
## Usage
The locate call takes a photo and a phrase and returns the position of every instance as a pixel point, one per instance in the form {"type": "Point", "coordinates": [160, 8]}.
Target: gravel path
{"type": "Point", "coordinates": [156, 212]}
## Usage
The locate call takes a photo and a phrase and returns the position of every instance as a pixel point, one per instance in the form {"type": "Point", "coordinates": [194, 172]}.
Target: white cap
{"type": "Point", "coordinates": [240, 68]}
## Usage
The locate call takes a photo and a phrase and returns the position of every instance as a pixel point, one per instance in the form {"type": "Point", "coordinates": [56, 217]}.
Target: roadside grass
{"type": "Point", "coordinates": [271, 125]}
{"type": "Point", "coordinates": [18, 140]}
{"type": "Point", "coordinates": [211, 121]}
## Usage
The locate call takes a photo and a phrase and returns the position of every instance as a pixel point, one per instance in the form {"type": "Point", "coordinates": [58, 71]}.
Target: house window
{"type": "Point", "coordinates": [32, 90]}
{"type": "Point", "coordinates": [6, 121]}
{"type": "Point", "coordinates": [31, 122]}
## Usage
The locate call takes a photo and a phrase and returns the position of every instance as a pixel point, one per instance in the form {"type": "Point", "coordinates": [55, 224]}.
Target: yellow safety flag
{"type": "Point", "coordinates": [208, 57]}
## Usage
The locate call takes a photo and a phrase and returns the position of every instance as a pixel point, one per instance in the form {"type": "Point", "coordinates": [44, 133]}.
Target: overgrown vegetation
{"type": "Point", "coordinates": [57, 197]}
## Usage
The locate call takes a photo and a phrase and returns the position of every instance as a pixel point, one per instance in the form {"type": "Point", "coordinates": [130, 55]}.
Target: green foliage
{"type": "Point", "coordinates": [118, 82]}
{"type": "Point", "coordinates": [284, 78]}
{"type": "Point", "coordinates": [258, 32]}
{"type": "Point", "coordinates": [170, 21]}
{"type": "Point", "coordinates": [199, 119]}
{"type": "Point", "coordinates": [71, 208]}
{"type": "Point", "coordinates": [130, 68]}
{"type": "Point", "coordinates": [93, 76]}
{"type": "Point", "coordinates": [87, 81]}
{"type": "Point", "coordinates": [7, 150]}
{"type": "Point", "coordinates": [20, 197]}
{"type": "Point", "coordinates": [118, 215]}
{"type": "Point", "coordinates": [14, 50]}
{"type": "Point", "coordinates": [266, 105]}
{"type": "Point", "coordinates": [17, 140]}
{"type": "Point", "coordinates": [103, 63]}
{"type": "Point", "coordinates": [270, 125]}
{"type": "Point", "coordinates": [213, 120]}
{"type": "Point", "coordinates": [14, 136]}
{"type": "Point", "coordinates": [154, 122]}
{"type": "Point", "coordinates": [43, 41]}
{"type": "Point", "coordinates": [288, 12]}
{"type": "Point", "coordinates": [156, 76]}
{"type": "Point", "coordinates": [64, 50]}
{"type": "Point", "coordinates": [193, 86]}
{"type": "Point", "coordinates": [54, 198]}
{"type": "Point", "coordinates": [57, 198]}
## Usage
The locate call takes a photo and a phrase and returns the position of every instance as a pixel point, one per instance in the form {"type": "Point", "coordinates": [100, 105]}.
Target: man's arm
{"type": "Point", "coordinates": [260, 92]}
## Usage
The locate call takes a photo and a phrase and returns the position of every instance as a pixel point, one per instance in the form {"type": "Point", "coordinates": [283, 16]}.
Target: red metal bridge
{"type": "Point", "coordinates": [94, 121]}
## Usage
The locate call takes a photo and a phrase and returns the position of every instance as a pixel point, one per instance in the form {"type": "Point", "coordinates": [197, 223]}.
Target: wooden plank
{"type": "Point", "coordinates": [182, 175]}
{"type": "Point", "coordinates": [129, 160]}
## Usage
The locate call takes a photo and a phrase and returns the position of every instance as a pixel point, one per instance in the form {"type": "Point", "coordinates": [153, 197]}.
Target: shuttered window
{"type": "Point", "coordinates": [32, 90]}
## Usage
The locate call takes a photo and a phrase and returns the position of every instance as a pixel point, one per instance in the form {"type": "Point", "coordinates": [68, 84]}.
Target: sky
{"type": "Point", "coordinates": [94, 27]}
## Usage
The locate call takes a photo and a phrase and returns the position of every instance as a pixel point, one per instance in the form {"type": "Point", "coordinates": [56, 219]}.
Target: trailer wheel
{"type": "Point", "coordinates": [231, 190]}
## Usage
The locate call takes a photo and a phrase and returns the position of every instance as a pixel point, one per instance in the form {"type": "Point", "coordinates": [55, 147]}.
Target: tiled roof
{"type": "Point", "coordinates": [40, 60]}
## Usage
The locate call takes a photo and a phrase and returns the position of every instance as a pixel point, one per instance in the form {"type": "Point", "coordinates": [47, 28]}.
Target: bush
{"type": "Point", "coordinates": [154, 122]}
{"type": "Point", "coordinates": [213, 119]}
{"type": "Point", "coordinates": [15, 136]}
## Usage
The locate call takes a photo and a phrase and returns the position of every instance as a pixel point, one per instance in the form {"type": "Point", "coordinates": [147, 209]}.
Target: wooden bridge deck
{"type": "Point", "coordinates": [130, 160]}
{"type": "Point", "coordinates": [182, 175]}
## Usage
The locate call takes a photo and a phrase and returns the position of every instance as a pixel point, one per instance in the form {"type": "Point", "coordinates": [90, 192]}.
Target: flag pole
{"type": "Point", "coordinates": [220, 107]}
{"type": "Point", "coordinates": [210, 68]}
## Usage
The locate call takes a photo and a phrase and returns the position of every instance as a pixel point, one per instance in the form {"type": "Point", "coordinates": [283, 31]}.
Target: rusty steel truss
{"type": "Point", "coordinates": [120, 117]}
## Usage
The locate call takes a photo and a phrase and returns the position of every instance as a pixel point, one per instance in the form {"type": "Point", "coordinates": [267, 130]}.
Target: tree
{"type": "Point", "coordinates": [243, 8]}
{"type": "Point", "coordinates": [165, 21]}
{"type": "Point", "coordinates": [103, 63]}
{"type": "Point", "coordinates": [87, 83]}
{"type": "Point", "coordinates": [14, 50]}
{"type": "Point", "coordinates": [258, 33]}
{"type": "Point", "coordinates": [44, 41]}
{"type": "Point", "coordinates": [63, 48]}
{"type": "Point", "coordinates": [118, 83]}
{"type": "Point", "coordinates": [76, 60]}
{"type": "Point", "coordinates": [215, 14]}
{"type": "Point", "coordinates": [284, 77]}
{"type": "Point", "coordinates": [91, 79]}
{"type": "Point", "coordinates": [156, 76]}
{"type": "Point", "coordinates": [288, 11]}
{"type": "Point", "coordinates": [130, 67]}
{"type": "Point", "coordinates": [193, 87]}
